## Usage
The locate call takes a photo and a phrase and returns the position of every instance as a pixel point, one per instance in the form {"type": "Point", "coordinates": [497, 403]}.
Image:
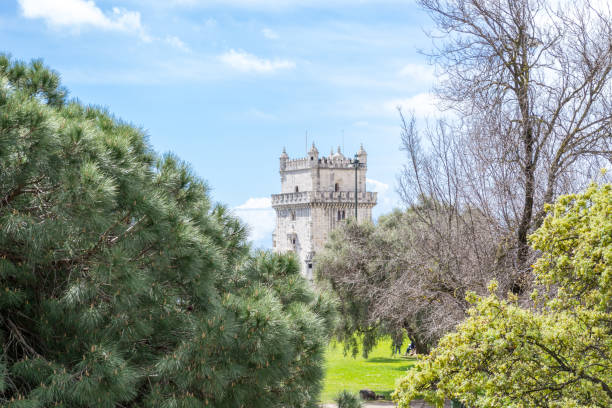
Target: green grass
{"type": "Point", "coordinates": [378, 372]}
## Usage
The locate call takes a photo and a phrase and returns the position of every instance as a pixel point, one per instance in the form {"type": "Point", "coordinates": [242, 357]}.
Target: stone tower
{"type": "Point", "coordinates": [317, 195]}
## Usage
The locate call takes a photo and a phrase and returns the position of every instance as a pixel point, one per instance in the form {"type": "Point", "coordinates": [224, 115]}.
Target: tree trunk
{"type": "Point", "coordinates": [421, 345]}
{"type": "Point", "coordinates": [521, 80]}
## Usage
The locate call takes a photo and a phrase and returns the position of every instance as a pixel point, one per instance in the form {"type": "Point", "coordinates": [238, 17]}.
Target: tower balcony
{"type": "Point", "coordinates": [366, 198]}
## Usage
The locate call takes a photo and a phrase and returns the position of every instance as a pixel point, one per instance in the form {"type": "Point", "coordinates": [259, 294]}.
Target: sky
{"type": "Point", "coordinates": [226, 84]}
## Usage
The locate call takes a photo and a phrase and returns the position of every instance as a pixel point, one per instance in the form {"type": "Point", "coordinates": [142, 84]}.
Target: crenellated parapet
{"type": "Point", "coordinates": [364, 198]}
{"type": "Point", "coordinates": [297, 164]}
{"type": "Point", "coordinates": [333, 161]}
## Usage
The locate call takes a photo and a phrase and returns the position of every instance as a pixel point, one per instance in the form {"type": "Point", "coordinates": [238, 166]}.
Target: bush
{"type": "Point", "coordinates": [346, 399]}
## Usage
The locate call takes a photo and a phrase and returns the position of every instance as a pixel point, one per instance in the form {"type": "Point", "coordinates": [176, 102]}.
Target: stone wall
{"type": "Point", "coordinates": [302, 178]}
{"type": "Point", "coordinates": [345, 177]}
{"type": "Point", "coordinates": [293, 232]}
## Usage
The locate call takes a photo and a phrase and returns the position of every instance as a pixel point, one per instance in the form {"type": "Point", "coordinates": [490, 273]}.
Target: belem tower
{"type": "Point", "coordinates": [317, 194]}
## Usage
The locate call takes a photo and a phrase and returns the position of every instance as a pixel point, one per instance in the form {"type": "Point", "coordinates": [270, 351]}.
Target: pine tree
{"type": "Point", "coordinates": [123, 284]}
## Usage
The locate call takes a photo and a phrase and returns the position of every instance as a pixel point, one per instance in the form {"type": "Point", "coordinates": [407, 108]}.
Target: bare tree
{"type": "Point", "coordinates": [528, 89]}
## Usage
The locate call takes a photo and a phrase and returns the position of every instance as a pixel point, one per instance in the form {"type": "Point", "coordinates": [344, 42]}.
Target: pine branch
{"type": "Point", "coordinates": [102, 241]}
{"type": "Point", "coordinates": [17, 334]}
{"type": "Point", "coordinates": [17, 191]}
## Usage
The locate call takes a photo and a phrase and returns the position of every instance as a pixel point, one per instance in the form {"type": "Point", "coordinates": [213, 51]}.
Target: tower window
{"type": "Point", "coordinates": [341, 215]}
{"type": "Point", "coordinates": [337, 187]}
{"type": "Point", "coordinates": [297, 190]}
{"type": "Point", "coordinates": [293, 217]}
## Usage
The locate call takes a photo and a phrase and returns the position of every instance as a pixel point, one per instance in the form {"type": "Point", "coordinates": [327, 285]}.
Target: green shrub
{"type": "Point", "coordinates": [558, 352]}
{"type": "Point", "coordinates": [346, 399]}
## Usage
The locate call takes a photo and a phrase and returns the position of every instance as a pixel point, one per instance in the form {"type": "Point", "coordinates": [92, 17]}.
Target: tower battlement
{"type": "Point", "coordinates": [317, 195]}
{"type": "Point", "coordinates": [334, 160]}
{"type": "Point", "coordinates": [323, 197]}
{"type": "Point", "coordinates": [327, 173]}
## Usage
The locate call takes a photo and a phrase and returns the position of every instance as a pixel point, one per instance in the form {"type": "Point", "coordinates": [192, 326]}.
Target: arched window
{"type": "Point", "coordinates": [337, 187]}
{"type": "Point", "coordinates": [292, 215]}
{"type": "Point", "coordinates": [297, 190]}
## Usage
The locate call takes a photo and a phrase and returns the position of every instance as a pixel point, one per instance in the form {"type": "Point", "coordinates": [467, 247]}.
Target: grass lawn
{"type": "Point", "coordinates": [378, 373]}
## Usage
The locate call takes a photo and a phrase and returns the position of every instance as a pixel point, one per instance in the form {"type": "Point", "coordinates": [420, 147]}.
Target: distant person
{"type": "Point", "coordinates": [397, 349]}
{"type": "Point", "coordinates": [410, 348]}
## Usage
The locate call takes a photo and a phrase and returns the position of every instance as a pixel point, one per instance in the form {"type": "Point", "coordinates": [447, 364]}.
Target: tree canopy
{"type": "Point", "coordinates": [122, 284]}
{"type": "Point", "coordinates": [556, 353]}
{"type": "Point", "coordinates": [400, 275]}
{"type": "Point", "coordinates": [525, 90]}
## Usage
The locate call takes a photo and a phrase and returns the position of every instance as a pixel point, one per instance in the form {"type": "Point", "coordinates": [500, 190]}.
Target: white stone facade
{"type": "Point", "coordinates": [317, 194]}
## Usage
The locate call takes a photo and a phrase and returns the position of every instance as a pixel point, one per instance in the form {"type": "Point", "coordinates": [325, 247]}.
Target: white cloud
{"type": "Point", "coordinates": [258, 203]}
{"type": "Point", "coordinates": [245, 62]}
{"type": "Point", "coordinates": [377, 186]}
{"type": "Point", "coordinates": [386, 199]}
{"type": "Point", "coordinates": [418, 72]}
{"type": "Point", "coordinates": [257, 212]}
{"type": "Point", "coordinates": [270, 34]}
{"type": "Point", "coordinates": [76, 14]}
{"type": "Point", "coordinates": [423, 104]}
{"type": "Point", "coordinates": [177, 43]}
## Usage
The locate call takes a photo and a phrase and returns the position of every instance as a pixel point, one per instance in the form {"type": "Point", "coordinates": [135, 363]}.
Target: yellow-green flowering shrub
{"type": "Point", "coordinates": [555, 355]}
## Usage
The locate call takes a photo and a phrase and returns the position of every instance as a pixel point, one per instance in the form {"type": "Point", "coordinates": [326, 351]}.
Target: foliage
{"type": "Point", "coordinates": [388, 280]}
{"type": "Point", "coordinates": [348, 251]}
{"type": "Point", "coordinates": [122, 284]}
{"type": "Point", "coordinates": [346, 399]}
{"type": "Point", "coordinates": [555, 354]}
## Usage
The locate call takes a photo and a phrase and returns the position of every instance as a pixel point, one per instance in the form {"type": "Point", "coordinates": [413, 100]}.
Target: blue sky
{"type": "Point", "coordinates": [225, 84]}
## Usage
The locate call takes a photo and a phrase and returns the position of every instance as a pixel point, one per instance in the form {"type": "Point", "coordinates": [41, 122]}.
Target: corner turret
{"type": "Point", "coordinates": [283, 159]}
{"type": "Point", "coordinates": [362, 155]}
{"type": "Point", "coordinates": [313, 155]}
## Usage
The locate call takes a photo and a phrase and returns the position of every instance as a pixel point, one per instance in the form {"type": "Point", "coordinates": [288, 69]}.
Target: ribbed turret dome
{"type": "Point", "coordinates": [338, 154]}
